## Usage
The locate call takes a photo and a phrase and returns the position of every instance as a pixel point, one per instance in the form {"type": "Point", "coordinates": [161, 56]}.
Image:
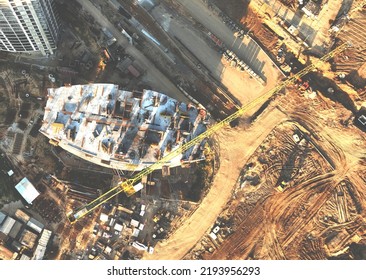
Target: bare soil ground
{"type": "Point", "coordinates": [353, 61]}
{"type": "Point", "coordinates": [362, 71]}
{"type": "Point", "coordinates": [320, 214]}
{"type": "Point", "coordinates": [232, 156]}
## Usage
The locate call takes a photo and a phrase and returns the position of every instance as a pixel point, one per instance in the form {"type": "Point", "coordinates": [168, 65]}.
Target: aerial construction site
{"type": "Point", "coordinates": [197, 130]}
{"type": "Point", "coordinates": [117, 129]}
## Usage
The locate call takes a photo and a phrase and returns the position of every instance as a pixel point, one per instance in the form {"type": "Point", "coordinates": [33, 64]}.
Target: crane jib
{"type": "Point", "coordinates": [128, 185]}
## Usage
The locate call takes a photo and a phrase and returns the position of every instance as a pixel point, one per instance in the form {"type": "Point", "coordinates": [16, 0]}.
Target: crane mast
{"type": "Point", "coordinates": [128, 186]}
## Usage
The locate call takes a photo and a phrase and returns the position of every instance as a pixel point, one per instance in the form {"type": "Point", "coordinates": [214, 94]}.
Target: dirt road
{"type": "Point", "coordinates": [154, 77]}
{"type": "Point", "coordinates": [290, 225]}
{"type": "Point", "coordinates": [233, 157]}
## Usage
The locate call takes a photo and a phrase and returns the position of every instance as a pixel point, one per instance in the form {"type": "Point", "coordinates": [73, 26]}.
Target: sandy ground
{"type": "Point", "coordinates": [233, 157]}
{"type": "Point", "coordinates": [276, 227]}
{"type": "Point", "coordinates": [362, 71]}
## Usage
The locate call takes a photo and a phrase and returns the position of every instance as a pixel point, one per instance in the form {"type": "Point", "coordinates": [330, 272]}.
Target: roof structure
{"type": "Point", "coordinates": [27, 190]}
{"type": "Point", "coordinates": [104, 217]}
{"type": "Point", "coordinates": [121, 129]}
{"type": "Point", "coordinates": [118, 227]}
{"type": "Point", "coordinates": [35, 225]}
{"type": "Point", "coordinates": [28, 238]}
{"type": "Point", "coordinates": [22, 216]}
{"type": "Point", "coordinates": [24, 258]}
{"type": "Point", "coordinates": [147, 4]}
{"type": "Point", "coordinates": [2, 217]}
{"type": "Point", "coordinates": [42, 245]}
{"type": "Point", "coordinates": [15, 229]}
{"type": "Point", "coordinates": [5, 253]}
{"type": "Point", "coordinates": [362, 119]}
{"type": "Point", "coordinates": [7, 225]}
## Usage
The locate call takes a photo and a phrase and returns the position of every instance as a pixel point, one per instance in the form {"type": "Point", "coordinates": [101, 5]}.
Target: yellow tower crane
{"type": "Point", "coordinates": [129, 186]}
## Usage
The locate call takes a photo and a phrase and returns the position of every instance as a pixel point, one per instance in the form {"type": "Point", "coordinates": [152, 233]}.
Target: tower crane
{"type": "Point", "coordinates": [130, 186]}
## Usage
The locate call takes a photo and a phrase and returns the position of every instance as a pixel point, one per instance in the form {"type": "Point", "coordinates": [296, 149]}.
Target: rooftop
{"type": "Point", "coordinates": [2, 217]}
{"type": "Point", "coordinates": [15, 229]}
{"type": "Point", "coordinates": [22, 216]}
{"type": "Point", "coordinates": [121, 129]}
{"type": "Point", "coordinates": [27, 190]}
{"type": "Point", "coordinates": [35, 225]}
{"type": "Point", "coordinates": [28, 239]}
{"type": "Point", "coordinates": [5, 253]}
{"type": "Point", "coordinates": [362, 119]}
{"type": "Point", "coordinates": [7, 225]}
{"type": "Point", "coordinates": [42, 245]}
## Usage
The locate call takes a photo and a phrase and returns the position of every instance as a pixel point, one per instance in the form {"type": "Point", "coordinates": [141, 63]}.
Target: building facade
{"type": "Point", "coordinates": [28, 26]}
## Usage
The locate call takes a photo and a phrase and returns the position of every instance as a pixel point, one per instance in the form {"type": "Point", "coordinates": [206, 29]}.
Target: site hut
{"type": "Point", "coordinates": [7, 225]}
{"type": "Point", "coordinates": [22, 233]}
{"type": "Point", "coordinates": [22, 216]}
{"type": "Point", "coordinates": [35, 225]}
{"type": "Point", "coordinates": [118, 228]}
{"type": "Point", "coordinates": [360, 119]}
{"type": "Point", "coordinates": [28, 192]}
{"type": "Point", "coordinates": [14, 232]}
{"type": "Point", "coordinates": [42, 245]}
{"type": "Point", "coordinates": [104, 218]}
{"type": "Point", "coordinates": [28, 239]}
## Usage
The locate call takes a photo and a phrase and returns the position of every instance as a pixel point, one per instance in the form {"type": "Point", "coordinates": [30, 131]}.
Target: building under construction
{"type": "Point", "coordinates": [121, 129]}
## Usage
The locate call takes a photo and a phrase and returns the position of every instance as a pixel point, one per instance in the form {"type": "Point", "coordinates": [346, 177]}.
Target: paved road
{"type": "Point", "coordinates": [234, 80]}
{"type": "Point", "coordinates": [193, 40]}
{"type": "Point", "coordinates": [154, 77]}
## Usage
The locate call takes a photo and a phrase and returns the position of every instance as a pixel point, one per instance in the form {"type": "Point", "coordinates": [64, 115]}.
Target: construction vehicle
{"type": "Point", "coordinates": [133, 185]}
{"type": "Point", "coordinates": [281, 187]}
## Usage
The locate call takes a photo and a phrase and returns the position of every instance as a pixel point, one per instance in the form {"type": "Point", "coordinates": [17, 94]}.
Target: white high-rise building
{"type": "Point", "coordinates": [28, 26]}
